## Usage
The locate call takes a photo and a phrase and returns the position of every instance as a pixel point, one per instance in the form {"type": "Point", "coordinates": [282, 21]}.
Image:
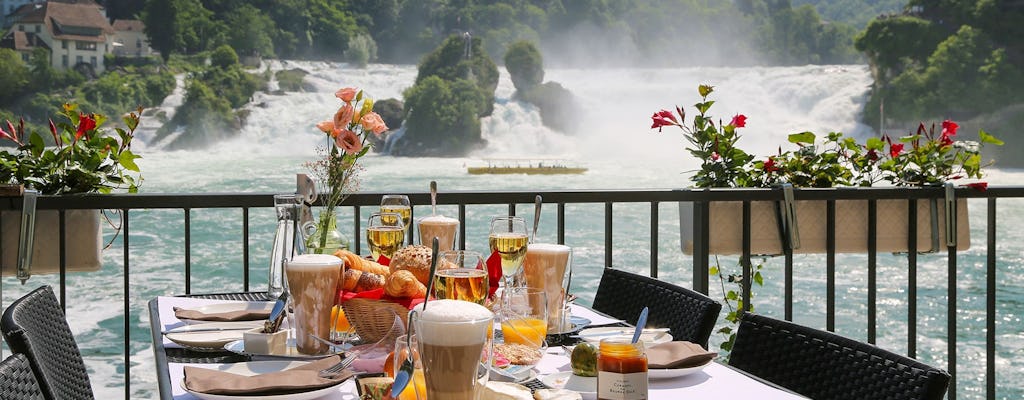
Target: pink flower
{"type": "Point", "coordinates": [348, 141]}
{"type": "Point", "coordinates": [895, 149]}
{"type": "Point", "coordinates": [715, 156]}
{"type": "Point", "coordinates": [344, 116]}
{"type": "Point", "coordinates": [662, 119]}
{"type": "Point", "coordinates": [739, 121]}
{"type": "Point", "coordinates": [373, 123]}
{"type": "Point", "coordinates": [11, 135]}
{"type": "Point", "coordinates": [326, 127]}
{"type": "Point", "coordinates": [346, 94]}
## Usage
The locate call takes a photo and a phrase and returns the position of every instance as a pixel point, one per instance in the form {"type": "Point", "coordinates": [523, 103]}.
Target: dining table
{"type": "Point", "coordinates": [714, 381]}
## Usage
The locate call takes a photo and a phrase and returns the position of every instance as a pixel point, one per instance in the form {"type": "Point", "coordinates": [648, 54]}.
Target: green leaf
{"type": "Point", "coordinates": [731, 295]}
{"type": "Point", "coordinates": [713, 270]}
{"type": "Point", "coordinates": [874, 143]}
{"type": "Point", "coordinates": [127, 160]}
{"type": "Point", "coordinates": [802, 137]}
{"type": "Point", "coordinates": [758, 279]}
{"type": "Point", "coordinates": [705, 90]}
{"type": "Point", "coordinates": [986, 138]}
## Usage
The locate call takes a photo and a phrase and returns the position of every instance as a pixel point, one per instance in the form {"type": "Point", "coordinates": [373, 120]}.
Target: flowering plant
{"type": "Point", "coordinates": [930, 159]}
{"type": "Point", "coordinates": [83, 158]}
{"type": "Point", "coordinates": [337, 169]}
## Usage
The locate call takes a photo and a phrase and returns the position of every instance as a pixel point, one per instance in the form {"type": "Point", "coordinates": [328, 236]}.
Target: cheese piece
{"type": "Point", "coordinates": [556, 394]}
{"type": "Point", "coordinates": [506, 391]}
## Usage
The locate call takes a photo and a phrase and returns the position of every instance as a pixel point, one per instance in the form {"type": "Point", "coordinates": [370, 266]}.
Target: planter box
{"type": "Point", "coordinates": [726, 230]}
{"type": "Point", "coordinates": [83, 241]}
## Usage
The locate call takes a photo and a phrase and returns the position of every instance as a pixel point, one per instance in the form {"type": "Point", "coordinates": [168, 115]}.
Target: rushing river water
{"type": "Point", "coordinates": [614, 142]}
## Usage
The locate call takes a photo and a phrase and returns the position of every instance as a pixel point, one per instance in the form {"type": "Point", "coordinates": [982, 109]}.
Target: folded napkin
{"type": "Point", "coordinates": [296, 380]}
{"type": "Point", "coordinates": [239, 315]}
{"type": "Point", "coordinates": [674, 355]}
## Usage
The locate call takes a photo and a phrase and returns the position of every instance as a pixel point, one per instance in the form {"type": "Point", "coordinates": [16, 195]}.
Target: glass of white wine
{"type": "Point", "coordinates": [461, 275]}
{"type": "Point", "coordinates": [508, 238]}
{"type": "Point", "coordinates": [398, 204]}
{"type": "Point", "coordinates": [385, 233]}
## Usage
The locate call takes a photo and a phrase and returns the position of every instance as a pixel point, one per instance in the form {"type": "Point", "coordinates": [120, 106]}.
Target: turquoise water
{"type": "Point", "coordinates": [620, 152]}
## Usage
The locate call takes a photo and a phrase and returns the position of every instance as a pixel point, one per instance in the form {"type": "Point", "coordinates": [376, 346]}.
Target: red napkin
{"type": "Point", "coordinates": [493, 272]}
{"type": "Point", "coordinates": [378, 294]}
{"type": "Point", "coordinates": [383, 260]}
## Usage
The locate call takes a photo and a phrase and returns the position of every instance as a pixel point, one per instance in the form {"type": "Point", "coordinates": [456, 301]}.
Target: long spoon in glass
{"type": "Point", "coordinates": [406, 369]}
{"type": "Point", "coordinates": [536, 218]}
{"type": "Point", "coordinates": [433, 197]}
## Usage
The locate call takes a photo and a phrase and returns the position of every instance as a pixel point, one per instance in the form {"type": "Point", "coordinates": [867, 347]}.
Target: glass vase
{"type": "Point", "coordinates": [323, 236]}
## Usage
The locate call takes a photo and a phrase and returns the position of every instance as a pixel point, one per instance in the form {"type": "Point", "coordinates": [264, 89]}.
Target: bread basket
{"type": "Point", "coordinates": [373, 318]}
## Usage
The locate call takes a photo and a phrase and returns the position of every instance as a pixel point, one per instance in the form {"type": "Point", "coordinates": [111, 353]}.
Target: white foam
{"type": "Point", "coordinates": [453, 322]}
{"type": "Point", "coordinates": [314, 261]}
{"type": "Point", "coordinates": [547, 248]}
{"type": "Point", "coordinates": [439, 219]}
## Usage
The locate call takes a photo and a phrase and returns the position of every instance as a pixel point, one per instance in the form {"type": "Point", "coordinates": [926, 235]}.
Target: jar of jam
{"type": "Point", "coordinates": [621, 370]}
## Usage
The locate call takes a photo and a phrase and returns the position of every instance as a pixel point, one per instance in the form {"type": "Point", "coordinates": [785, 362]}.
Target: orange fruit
{"type": "Point", "coordinates": [389, 365]}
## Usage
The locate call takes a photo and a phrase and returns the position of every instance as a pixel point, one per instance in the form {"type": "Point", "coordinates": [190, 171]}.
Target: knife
{"type": "Point", "coordinates": [199, 328]}
{"type": "Point", "coordinates": [276, 314]}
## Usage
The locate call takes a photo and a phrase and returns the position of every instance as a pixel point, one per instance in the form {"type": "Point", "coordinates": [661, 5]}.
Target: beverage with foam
{"type": "Point", "coordinates": [443, 228]}
{"type": "Point", "coordinates": [313, 284]}
{"type": "Point", "coordinates": [546, 267]}
{"type": "Point", "coordinates": [453, 342]}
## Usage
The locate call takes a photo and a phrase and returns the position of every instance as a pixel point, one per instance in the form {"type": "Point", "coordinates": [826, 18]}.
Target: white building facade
{"type": "Point", "coordinates": [75, 33]}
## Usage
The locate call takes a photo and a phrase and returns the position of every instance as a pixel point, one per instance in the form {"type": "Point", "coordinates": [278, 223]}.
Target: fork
{"type": "Point", "coordinates": [335, 370]}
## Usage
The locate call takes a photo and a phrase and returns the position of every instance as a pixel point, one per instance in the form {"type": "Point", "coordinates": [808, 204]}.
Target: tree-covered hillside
{"type": "Point", "coordinates": [854, 12]}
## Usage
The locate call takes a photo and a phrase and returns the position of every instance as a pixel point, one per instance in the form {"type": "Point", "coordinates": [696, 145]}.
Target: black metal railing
{"type": "Point", "coordinates": [702, 199]}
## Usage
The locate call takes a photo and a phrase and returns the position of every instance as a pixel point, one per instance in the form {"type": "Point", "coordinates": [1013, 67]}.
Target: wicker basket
{"type": "Point", "coordinates": [372, 318]}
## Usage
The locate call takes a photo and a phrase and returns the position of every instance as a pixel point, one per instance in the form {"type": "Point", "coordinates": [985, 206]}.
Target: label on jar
{"type": "Point", "coordinates": [616, 386]}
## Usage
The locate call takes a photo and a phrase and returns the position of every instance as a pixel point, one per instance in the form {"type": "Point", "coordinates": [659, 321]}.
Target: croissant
{"type": "Point", "coordinates": [404, 284]}
{"type": "Point", "coordinates": [354, 261]}
{"type": "Point", "coordinates": [360, 281]}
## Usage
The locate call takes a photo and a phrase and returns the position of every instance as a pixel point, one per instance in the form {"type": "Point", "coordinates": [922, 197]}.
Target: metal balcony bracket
{"type": "Point", "coordinates": [950, 215]}
{"type": "Point", "coordinates": [790, 228]}
{"type": "Point", "coordinates": [28, 230]}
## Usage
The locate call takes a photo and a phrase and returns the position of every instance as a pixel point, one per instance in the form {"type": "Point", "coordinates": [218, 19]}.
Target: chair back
{"type": "Point", "coordinates": [823, 365]}
{"type": "Point", "coordinates": [17, 381]}
{"type": "Point", "coordinates": [688, 315]}
{"type": "Point", "coordinates": [35, 326]}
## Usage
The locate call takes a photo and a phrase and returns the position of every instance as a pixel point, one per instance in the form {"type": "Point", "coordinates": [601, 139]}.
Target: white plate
{"type": "Point", "coordinates": [675, 372]}
{"type": "Point", "coordinates": [262, 367]}
{"type": "Point", "coordinates": [266, 306]}
{"type": "Point", "coordinates": [585, 386]}
{"type": "Point", "coordinates": [211, 341]}
{"type": "Point", "coordinates": [238, 347]}
{"type": "Point", "coordinates": [594, 335]}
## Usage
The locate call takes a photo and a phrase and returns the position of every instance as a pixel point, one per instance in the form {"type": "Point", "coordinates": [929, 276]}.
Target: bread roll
{"type": "Point", "coordinates": [359, 281]}
{"type": "Point", "coordinates": [415, 259]}
{"type": "Point", "coordinates": [404, 284]}
{"type": "Point", "coordinates": [354, 261]}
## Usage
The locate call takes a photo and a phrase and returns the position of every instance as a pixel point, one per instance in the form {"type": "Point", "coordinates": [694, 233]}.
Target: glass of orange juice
{"type": "Point", "coordinates": [342, 329]}
{"type": "Point", "coordinates": [524, 323]}
{"type": "Point", "coordinates": [417, 388]}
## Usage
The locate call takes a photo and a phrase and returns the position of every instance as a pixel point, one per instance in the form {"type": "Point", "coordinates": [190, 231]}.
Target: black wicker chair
{"type": "Point", "coordinates": [35, 326]}
{"type": "Point", "coordinates": [825, 366]}
{"type": "Point", "coordinates": [17, 382]}
{"type": "Point", "coordinates": [689, 315]}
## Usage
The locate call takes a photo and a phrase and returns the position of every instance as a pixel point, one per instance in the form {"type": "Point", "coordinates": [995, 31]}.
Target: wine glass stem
{"type": "Point", "coordinates": [506, 290]}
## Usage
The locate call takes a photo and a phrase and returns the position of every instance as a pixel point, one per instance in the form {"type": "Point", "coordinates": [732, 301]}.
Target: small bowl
{"type": "Point", "coordinates": [257, 342]}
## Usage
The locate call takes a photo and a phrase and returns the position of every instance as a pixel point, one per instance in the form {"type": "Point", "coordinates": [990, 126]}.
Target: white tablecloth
{"type": "Point", "coordinates": [715, 381]}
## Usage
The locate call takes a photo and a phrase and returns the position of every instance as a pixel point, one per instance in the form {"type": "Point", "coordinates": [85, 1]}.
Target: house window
{"type": "Point", "coordinates": [85, 46]}
{"type": "Point", "coordinates": [92, 60]}
{"type": "Point", "coordinates": [138, 43]}
{"type": "Point", "coordinates": [78, 60]}
{"type": "Point", "coordinates": [24, 57]}
{"type": "Point", "coordinates": [21, 28]}
{"type": "Point", "coordinates": [64, 44]}
{"type": "Point", "coordinates": [64, 60]}
{"type": "Point", "coordinates": [39, 28]}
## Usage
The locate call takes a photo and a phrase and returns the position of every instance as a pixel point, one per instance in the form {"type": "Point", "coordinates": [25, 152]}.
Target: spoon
{"type": "Point", "coordinates": [536, 218]}
{"type": "Point", "coordinates": [640, 322]}
{"type": "Point", "coordinates": [406, 369]}
{"type": "Point", "coordinates": [433, 197]}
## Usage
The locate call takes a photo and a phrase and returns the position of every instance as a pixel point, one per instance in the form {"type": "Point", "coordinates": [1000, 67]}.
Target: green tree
{"type": "Point", "coordinates": [14, 75]}
{"type": "Point", "coordinates": [525, 65]}
{"type": "Point", "coordinates": [455, 60]}
{"type": "Point", "coordinates": [161, 26]}
{"type": "Point", "coordinates": [442, 117]}
{"type": "Point", "coordinates": [224, 57]}
{"type": "Point", "coordinates": [250, 31]}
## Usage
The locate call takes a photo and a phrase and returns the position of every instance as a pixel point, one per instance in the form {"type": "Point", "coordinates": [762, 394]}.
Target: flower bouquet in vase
{"type": "Point", "coordinates": [337, 168]}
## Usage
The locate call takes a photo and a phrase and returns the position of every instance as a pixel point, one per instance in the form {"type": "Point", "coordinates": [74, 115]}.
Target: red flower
{"type": "Point", "coordinates": [715, 156]}
{"type": "Point", "coordinates": [770, 165]}
{"type": "Point", "coordinates": [979, 186]}
{"type": "Point", "coordinates": [895, 149]}
{"type": "Point", "coordinates": [86, 123]}
{"type": "Point", "coordinates": [872, 155]}
{"type": "Point", "coordinates": [739, 121]}
{"type": "Point", "coordinates": [662, 119]}
{"type": "Point", "coordinates": [949, 128]}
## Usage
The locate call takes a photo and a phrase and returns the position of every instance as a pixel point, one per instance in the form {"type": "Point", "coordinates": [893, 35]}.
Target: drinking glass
{"type": "Point", "coordinates": [461, 275]}
{"type": "Point", "coordinates": [523, 318]}
{"type": "Point", "coordinates": [454, 341]}
{"type": "Point", "coordinates": [508, 238]}
{"type": "Point", "coordinates": [398, 204]}
{"type": "Point", "coordinates": [547, 267]}
{"type": "Point", "coordinates": [417, 388]}
{"type": "Point", "coordinates": [443, 228]}
{"type": "Point", "coordinates": [385, 233]}
{"type": "Point", "coordinates": [312, 285]}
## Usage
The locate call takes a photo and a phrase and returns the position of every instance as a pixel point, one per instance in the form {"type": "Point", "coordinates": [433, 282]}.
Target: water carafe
{"type": "Point", "coordinates": [286, 244]}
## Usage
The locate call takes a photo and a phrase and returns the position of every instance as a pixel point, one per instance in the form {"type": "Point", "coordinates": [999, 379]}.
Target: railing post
{"type": "Point", "coordinates": [701, 263]}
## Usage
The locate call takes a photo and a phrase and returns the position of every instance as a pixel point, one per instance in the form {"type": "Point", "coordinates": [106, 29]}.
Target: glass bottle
{"type": "Point", "coordinates": [323, 237]}
{"type": "Point", "coordinates": [285, 243]}
{"type": "Point", "coordinates": [621, 370]}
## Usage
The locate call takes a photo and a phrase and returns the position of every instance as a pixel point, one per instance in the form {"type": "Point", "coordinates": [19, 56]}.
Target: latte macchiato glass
{"type": "Point", "coordinates": [454, 343]}
{"type": "Point", "coordinates": [313, 284]}
{"type": "Point", "coordinates": [443, 228]}
{"type": "Point", "coordinates": [547, 267]}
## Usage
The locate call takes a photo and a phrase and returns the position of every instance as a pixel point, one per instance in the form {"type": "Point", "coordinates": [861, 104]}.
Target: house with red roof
{"type": "Point", "coordinates": [77, 34]}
